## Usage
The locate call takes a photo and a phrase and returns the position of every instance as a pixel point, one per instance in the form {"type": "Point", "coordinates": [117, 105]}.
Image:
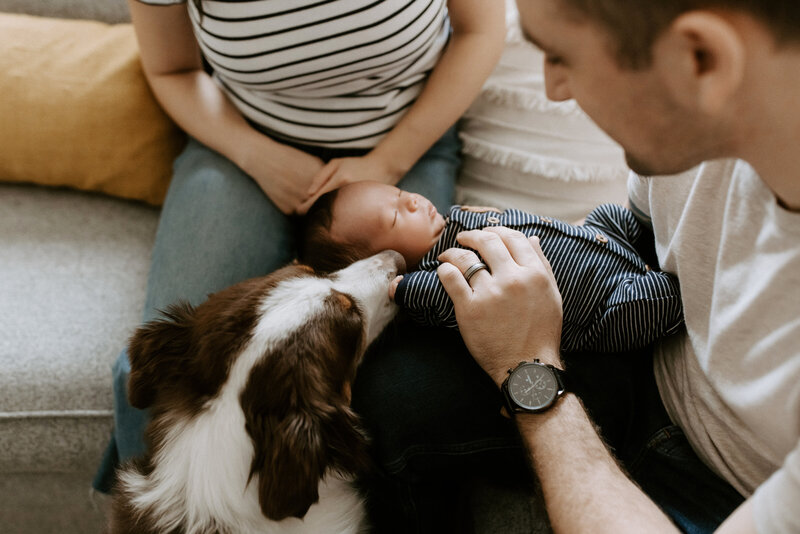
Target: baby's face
{"type": "Point", "coordinates": [386, 218]}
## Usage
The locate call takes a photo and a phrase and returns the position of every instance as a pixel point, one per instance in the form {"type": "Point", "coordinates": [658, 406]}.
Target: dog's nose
{"type": "Point", "coordinates": [396, 259]}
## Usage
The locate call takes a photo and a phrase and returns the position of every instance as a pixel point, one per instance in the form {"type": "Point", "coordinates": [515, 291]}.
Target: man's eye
{"type": "Point", "coordinates": [553, 60]}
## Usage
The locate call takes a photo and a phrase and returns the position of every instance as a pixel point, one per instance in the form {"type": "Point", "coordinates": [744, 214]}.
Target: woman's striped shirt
{"type": "Point", "coordinates": [333, 73]}
{"type": "Point", "coordinates": [612, 300]}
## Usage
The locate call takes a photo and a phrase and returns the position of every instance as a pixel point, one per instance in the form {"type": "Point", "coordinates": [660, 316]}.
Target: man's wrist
{"type": "Point", "coordinates": [532, 423]}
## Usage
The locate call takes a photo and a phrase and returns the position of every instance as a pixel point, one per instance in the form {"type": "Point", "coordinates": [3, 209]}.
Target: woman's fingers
{"type": "Point", "coordinates": [322, 177]}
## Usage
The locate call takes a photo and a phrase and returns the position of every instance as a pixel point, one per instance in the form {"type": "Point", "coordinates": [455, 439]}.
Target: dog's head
{"type": "Point", "coordinates": [285, 347]}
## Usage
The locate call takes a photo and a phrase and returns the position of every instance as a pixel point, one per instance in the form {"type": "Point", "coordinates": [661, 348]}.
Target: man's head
{"type": "Point", "coordinates": [673, 81]}
{"type": "Point", "coordinates": [364, 218]}
{"type": "Point", "coordinates": [634, 26]}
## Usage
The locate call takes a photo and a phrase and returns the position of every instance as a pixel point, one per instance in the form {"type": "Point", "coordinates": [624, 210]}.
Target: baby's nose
{"type": "Point", "coordinates": [412, 202]}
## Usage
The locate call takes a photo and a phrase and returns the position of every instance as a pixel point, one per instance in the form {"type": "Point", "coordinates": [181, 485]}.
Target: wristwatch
{"type": "Point", "coordinates": [533, 387]}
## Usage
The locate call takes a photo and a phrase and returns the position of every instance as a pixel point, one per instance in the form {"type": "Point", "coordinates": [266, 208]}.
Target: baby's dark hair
{"type": "Point", "coordinates": [317, 248]}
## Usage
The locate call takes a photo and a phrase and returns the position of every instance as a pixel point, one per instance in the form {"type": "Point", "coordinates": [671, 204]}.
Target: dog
{"type": "Point", "coordinates": [251, 428]}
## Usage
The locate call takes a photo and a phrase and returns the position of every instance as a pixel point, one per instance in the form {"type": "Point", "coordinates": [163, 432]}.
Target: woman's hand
{"type": "Point", "coordinates": [511, 312]}
{"type": "Point", "coordinates": [284, 173]}
{"type": "Point", "coordinates": [341, 171]}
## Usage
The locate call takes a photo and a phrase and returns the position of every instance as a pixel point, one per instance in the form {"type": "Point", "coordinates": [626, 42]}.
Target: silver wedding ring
{"type": "Point", "coordinates": [469, 273]}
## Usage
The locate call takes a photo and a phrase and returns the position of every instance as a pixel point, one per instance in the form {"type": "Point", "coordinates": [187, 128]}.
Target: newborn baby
{"type": "Point", "coordinates": [613, 301]}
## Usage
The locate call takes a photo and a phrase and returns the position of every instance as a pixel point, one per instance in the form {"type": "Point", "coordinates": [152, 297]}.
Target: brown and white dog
{"type": "Point", "coordinates": [251, 427]}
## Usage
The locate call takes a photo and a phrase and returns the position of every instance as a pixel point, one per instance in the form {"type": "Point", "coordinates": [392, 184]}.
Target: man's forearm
{"type": "Point", "coordinates": [584, 488]}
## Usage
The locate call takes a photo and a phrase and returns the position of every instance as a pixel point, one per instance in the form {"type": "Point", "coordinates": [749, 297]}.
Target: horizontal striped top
{"type": "Point", "coordinates": [332, 73]}
{"type": "Point", "coordinates": [613, 301]}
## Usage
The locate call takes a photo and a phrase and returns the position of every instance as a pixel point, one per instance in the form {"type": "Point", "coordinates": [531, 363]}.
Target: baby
{"type": "Point", "coordinates": [613, 301]}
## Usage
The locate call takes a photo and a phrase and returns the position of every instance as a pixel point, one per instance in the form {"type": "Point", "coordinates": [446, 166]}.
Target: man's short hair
{"type": "Point", "coordinates": [634, 25]}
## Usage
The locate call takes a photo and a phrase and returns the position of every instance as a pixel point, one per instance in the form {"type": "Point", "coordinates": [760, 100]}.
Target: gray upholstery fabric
{"type": "Point", "coordinates": [73, 270]}
{"type": "Point", "coordinates": [110, 11]}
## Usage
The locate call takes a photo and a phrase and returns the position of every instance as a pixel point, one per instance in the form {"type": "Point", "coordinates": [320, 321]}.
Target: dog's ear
{"type": "Point", "coordinates": [296, 444]}
{"type": "Point", "coordinates": [297, 412]}
{"type": "Point", "coordinates": [156, 352]}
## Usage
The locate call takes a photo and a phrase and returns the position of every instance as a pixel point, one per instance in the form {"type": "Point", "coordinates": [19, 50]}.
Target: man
{"type": "Point", "coordinates": [676, 84]}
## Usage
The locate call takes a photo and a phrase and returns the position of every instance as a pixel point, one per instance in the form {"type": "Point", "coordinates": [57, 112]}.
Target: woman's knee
{"type": "Point", "coordinates": [216, 228]}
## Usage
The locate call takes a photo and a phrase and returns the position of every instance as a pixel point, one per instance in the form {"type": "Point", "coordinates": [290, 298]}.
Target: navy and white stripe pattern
{"type": "Point", "coordinates": [612, 300]}
{"type": "Point", "coordinates": [333, 73]}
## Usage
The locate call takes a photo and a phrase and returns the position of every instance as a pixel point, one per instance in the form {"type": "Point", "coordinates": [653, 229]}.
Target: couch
{"type": "Point", "coordinates": [73, 268]}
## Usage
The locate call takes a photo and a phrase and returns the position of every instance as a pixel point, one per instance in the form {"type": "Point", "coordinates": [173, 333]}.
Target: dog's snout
{"type": "Point", "coordinates": [395, 260]}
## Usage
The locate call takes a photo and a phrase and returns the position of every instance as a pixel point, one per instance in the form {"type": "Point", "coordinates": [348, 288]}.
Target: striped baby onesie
{"type": "Point", "coordinates": [613, 301]}
{"type": "Point", "coordinates": [332, 73]}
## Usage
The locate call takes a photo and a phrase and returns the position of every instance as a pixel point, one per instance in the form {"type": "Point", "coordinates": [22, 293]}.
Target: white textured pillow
{"type": "Point", "coordinates": [524, 151]}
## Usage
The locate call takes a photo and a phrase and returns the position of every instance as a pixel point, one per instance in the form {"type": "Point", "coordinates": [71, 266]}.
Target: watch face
{"type": "Point", "coordinates": [533, 386]}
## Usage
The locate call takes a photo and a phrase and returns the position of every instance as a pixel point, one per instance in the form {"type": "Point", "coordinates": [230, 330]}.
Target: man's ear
{"type": "Point", "coordinates": [156, 352]}
{"type": "Point", "coordinates": [702, 56]}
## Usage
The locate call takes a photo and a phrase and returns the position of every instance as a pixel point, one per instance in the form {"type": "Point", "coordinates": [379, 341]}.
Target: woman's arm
{"type": "Point", "coordinates": [474, 48]}
{"type": "Point", "coordinates": [173, 67]}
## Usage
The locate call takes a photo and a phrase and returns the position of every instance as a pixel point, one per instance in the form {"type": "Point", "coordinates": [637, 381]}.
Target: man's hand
{"type": "Point", "coordinates": [510, 313]}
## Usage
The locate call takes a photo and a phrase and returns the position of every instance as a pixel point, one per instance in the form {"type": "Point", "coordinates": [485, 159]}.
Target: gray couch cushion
{"type": "Point", "coordinates": [74, 271]}
{"type": "Point", "coordinates": [110, 11]}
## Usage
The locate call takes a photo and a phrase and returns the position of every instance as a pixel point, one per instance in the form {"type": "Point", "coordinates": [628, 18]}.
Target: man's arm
{"type": "Point", "coordinates": [514, 314]}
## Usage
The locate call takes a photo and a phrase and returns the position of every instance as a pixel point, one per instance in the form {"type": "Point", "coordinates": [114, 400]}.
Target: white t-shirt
{"type": "Point", "coordinates": [731, 380]}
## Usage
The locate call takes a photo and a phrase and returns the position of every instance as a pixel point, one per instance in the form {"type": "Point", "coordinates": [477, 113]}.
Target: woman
{"type": "Point", "coordinates": [284, 100]}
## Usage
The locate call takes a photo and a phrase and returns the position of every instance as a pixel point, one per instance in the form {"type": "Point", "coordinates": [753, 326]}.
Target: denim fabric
{"type": "Point", "coordinates": [434, 418]}
{"type": "Point", "coordinates": [218, 228]}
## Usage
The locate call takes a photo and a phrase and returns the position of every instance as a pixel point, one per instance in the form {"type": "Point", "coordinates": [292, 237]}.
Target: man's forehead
{"type": "Point", "coordinates": [543, 21]}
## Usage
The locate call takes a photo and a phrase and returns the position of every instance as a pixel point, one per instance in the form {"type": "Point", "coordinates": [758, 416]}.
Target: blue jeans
{"type": "Point", "coordinates": [218, 228]}
{"type": "Point", "coordinates": [434, 419]}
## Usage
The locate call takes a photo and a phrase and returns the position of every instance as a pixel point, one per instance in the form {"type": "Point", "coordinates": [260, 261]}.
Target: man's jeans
{"type": "Point", "coordinates": [218, 228]}
{"type": "Point", "coordinates": [434, 417]}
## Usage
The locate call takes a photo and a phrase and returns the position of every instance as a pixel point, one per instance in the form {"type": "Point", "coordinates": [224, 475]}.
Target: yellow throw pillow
{"type": "Point", "coordinates": [76, 110]}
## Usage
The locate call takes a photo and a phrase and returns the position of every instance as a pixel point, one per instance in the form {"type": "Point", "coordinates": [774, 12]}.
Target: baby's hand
{"type": "Point", "coordinates": [393, 286]}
